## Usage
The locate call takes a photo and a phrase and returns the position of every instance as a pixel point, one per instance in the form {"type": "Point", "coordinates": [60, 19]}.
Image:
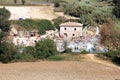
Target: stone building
{"type": "Point", "coordinates": [71, 30]}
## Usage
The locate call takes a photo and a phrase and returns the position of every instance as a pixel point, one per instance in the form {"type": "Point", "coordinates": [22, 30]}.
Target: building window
{"type": "Point", "coordinates": [73, 34]}
{"type": "Point", "coordinates": [64, 28]}
{"type": "Point", "coordinates": [74, 29]}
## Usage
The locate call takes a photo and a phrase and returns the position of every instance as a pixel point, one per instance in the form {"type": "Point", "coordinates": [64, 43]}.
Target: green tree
{"type": "Point", "coordinates": [15, 1]}
{"type": "Point", "coordinates": [23, 2]}
{"type": "Point", "coordinates": [57, 4]}
{"type": "Point", "coordinates": [116, 9]}
{"type": "Point", "coordinates": [7, 52]}
{"type": "Point", "coordinates": [58, 21]}
{"type": "Point", "coordinates": [29, 50]}
{"type": "Point", "coordinates": [45, 48]}
{"type": "Point", "coordinates": [4, 22]}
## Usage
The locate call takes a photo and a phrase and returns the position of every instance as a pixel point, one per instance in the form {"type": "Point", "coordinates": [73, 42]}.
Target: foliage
{"type": "Point", "coordinates": [7, 52]}
{"type": "Point", "coordinates": [57, 4]}
{"type": "Point", "coordinates": [56, 58]}
{"type": "Point", "coordinates": [41, 25]}
{"type": "Point", "coordinates": [84, 52]}
{"type": "Point", "coordinates": [26, 55]}
{"type": "Point", "coordinates": [58, 21]}
{"type": "Point", "coordinates": [23, 57]}
{"type": "Point", "coordinates": [29, 50]}
{"type": "Point", "coordinates": [67, 50]}
{"type": "Point", "coordinates": [15, 1]}
{"type": "Point", "coordinates": [116, 60]}
{"type": "Point", "coordinates": [23, 2]}
{"type": "Point", "coordinates": [45, 48]}
{"type": "Point", "coordinates": [76, 10]}
{"type": "Point", "coordinates": [113, 55]}
{"type": "Point", "coordinates": [116, 10]}
{"type": "Point", "coordinates": [110, 35]}
{"type": "Point", "coordinates": [2, 35]}
{"type": "Point", "coordinates": [4, 22]}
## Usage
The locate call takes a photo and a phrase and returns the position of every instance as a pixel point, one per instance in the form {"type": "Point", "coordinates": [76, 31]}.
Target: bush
{"type": "Point", "coordinates": [84, 52]}
{"type": "Point", "coordinates": [58, 21]}
{"type": "Point", "coordinates": [41, 25]}
{"type": "Point", "coordinates": [76, 10]}
{"type": "Point", "coordinates": [116, 9]}
{"type": "Point", "coordinates": [26, 55]}
{"type": "Point", "coordinates": [113, 55]}
{"type": "Point", "coordinates": [116, 60]}
{"type": "Point", "coordinates": [68, 50]}
{"type": "Point", "coordinates": [4, 22]}
{"type": "Point", "coordinates": [57, 4]}
{"type": "Point", "coordinates": [23, 57]}
{"type": "Point", "coordinates": [29, 50]}
{"type": "Point", "coordinates": [7, 52]}
{"type": "Point", "coordinates": [45, 48]}
{"type": "Point", "coordinates": [56, 58]}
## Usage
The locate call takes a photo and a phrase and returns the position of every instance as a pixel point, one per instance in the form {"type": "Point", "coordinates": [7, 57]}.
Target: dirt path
{"type": "Point", "coordinates": [61, 70]}
{"type": "Point", "coordinates": [91, 57]}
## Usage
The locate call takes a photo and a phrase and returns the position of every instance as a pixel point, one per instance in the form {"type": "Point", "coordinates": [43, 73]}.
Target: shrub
{"type": "Point", "coordinates": [41, 25]}
{"type": "Point", "coordinates": [84, 52]}
{"type": "Point", "coordinates": [4, 22]}
{"type": "Point", "coordinates": [113, 55]}
{"type": "Point", "coordinates": [45, 48]}
{"type": "Point", "coordinates": [29, 50]}
{"type": "Point", "coordinates": [58, 21]}
{"type": "Point", "coordinates": [68, 50]}
{"type": "Point", "coordinates": [7, 52]}
{"type": "Point", "coordinates": [23, 57]}
{"type": "Point", "coordinates": [116, 9]}
{"type": "Point", "coordinates": [76, 10]}
{"type": "Point", "coordinates": [26, 55]}
{"type": "Point", "coordinates": [56, 58]}
{"type": "Point", "coordinates": [57, 4]}
{"type": "Point", "coordinates": [116, 60]}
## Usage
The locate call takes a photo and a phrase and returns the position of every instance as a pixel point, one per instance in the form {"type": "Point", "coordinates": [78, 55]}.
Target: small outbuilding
{"type": "Point", "coordinates": [71, 30]}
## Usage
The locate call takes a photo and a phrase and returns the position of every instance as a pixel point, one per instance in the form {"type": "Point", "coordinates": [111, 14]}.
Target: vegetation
{"type": "Point", "coordinates": [15, 1]}
{"type": "Point", "coordinates": [56, 58]}
{"type": "Point", "coordinates": [23, 57]}
{"type": "Point", "coordinates": [58, 21]}
{"type": "Point", "coordinates": [116, 10]}
{"type": "Point", "coordinates": [41, 25]}
{"type": "Point", "coordinates": [6, 49]}
{"type": "Point", "coordinates": [113, 55]}
{"type": "Point", "coordinates": [91, 13]}
{"type": "Point", "coordinates": [7, 52]}
{"type": "Point", "coordinates": [23, 2]}
{"type": "Point", "coordinates": [45, 49]}
{"type": "Point", "coordinates": [4, 22]}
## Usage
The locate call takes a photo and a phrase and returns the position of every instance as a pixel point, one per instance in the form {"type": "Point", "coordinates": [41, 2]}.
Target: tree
{"type": "Point", "coordinates": [116, 9]}
{"type": "Point", "coordinates": [76, 10]}
{"type": "Point", "coordinates": [29, 50]}
{"type": "Point", "coordinates": [41, 25]}
{"type": "Point", "coordinates": [45, 48]}
{"type": "Point", "coordinates": [58, 21]}
{"type": "Point", "coordinates": [4, 22]}
{"type": "Point", "coordinates": [57, 4]}
{"type": "Point", "coordinates": [15, 1]}
{"type": "Point", "coordinates": [110, 35]}
{"type": "Point", "coordinates": [7, 52]}
{"type": "Point", "coordinates": [23, 2]}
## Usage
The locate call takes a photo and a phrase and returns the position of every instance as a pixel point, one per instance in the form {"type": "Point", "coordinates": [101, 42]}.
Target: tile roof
{"type": "Point", "coordinates": [71, 24]}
